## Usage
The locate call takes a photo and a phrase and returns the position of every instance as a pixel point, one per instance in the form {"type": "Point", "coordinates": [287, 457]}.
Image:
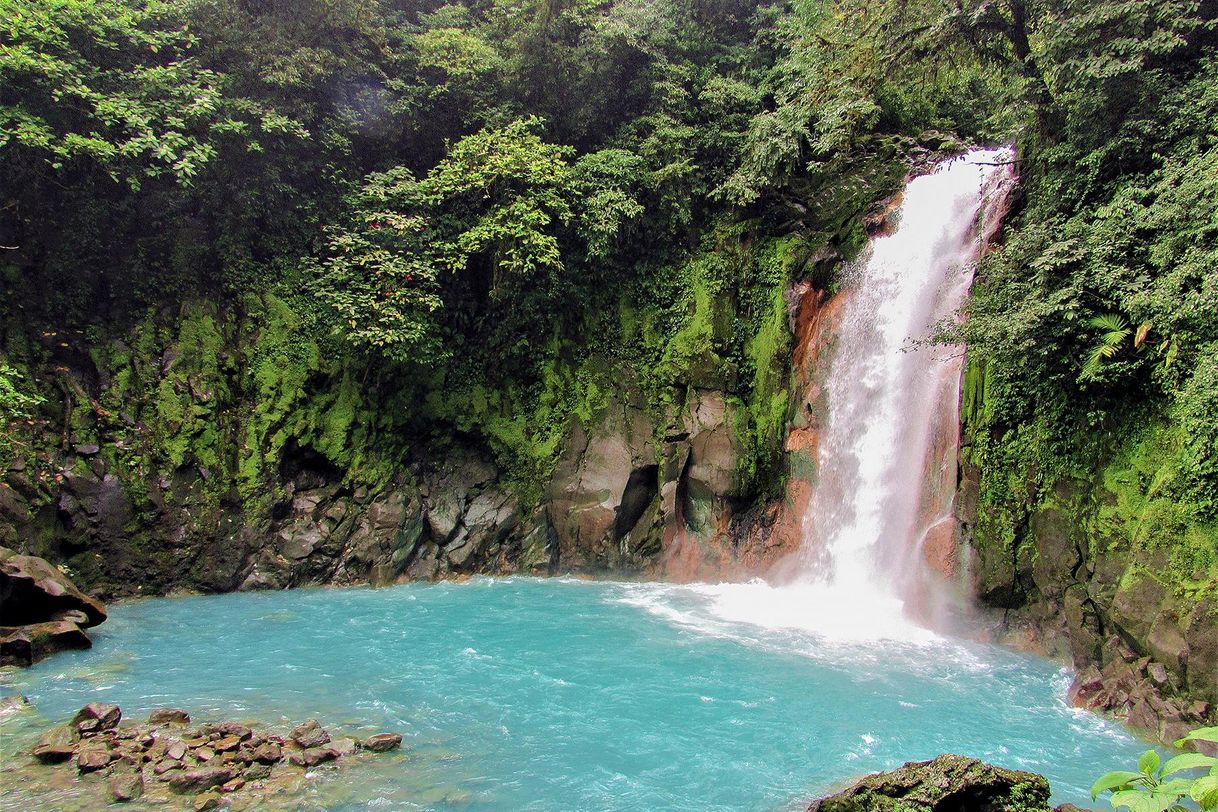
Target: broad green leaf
{"type": "Point", "coordinates": [1188, 761]}
{"type": "Point", "coordinates": [1205, 791]}
{"type": "Point", "coordinates": [1137, 801]}
{"type": "Point", "coordinates": [1149, 762]}
{"type": "Point", "coordinates": [1113, 780]}
{"type": "Point", "coordinates": [1205, 734]}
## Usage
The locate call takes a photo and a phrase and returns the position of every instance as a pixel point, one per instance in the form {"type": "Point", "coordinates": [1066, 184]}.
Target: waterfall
{"type": "Point", "coordinates": [887, 451]}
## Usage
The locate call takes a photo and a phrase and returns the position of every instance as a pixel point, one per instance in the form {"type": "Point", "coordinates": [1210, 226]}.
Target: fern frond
{"type": "Point", "coordinates": [1116, 331]}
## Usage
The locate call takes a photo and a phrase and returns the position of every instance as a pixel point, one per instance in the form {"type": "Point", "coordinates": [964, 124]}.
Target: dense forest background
{"type": "Point", "coordinates": [374, 229]}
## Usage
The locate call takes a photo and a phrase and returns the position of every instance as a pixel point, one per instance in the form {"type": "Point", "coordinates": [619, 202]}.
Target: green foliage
{"type": "Point", "coordinates": [1156, 786]}
{"type": "Point", "coordinates": [506, 206]}
{"type": "Point", "coordinates": [16, 405]}
{"type": "Point", "coordinates": [380, 273]}
{"type": "Point", "coordinates": [114, 82]}
{"type": "Point", "coordinates": [499, 196]}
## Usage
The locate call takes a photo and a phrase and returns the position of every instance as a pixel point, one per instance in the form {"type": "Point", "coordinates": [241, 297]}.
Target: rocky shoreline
{"type": "Point", "coordinates": [167, 761]}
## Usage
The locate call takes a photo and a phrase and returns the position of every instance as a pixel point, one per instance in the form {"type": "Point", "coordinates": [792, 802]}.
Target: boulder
{"type": "Point", "coordinates": [206, 801]}
{"type": "Point", "coordinates": [200, 780]}
{"type": "Point", "coordinates": [310, 734]}
{"type": "Point", "coordinates": [42, 609]}
{"type": "Point", "coordinates": [168, 716]}
{"type": "Point", "coordinates": [312, 756]}
{"type": "Point", "coordinates": [26, 645]}
{"type": "Point", "coordinates": [104, 716]}
{"type": "Point", "coordinates": [91, 758]}
{"type": "Point", "coordinates": [383, 742]}
{"type": "Point", "coordinates": [226, 743]}
{"type": "Point", "coordinates": [242, 732]}
{"type": "Point", "coordinates": [56, 745]}
{"type": "Point", "coordinates": [947, 784]}
{"type": "Point", "coordinates": [268, 753]}
{"type": "Point", "coordinates": [342, 747]}
{"type": "Point", "coordinates": [126, 786]}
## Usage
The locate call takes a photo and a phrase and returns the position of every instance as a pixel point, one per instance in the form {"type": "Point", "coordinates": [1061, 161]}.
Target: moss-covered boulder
{"type": "Point", "coordinates": [946, 784]}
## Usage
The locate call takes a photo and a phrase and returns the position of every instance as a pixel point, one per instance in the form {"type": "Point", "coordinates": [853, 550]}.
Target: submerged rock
{"type": "Point", "coordinates": [126, 786]}
{"type": "Point", "coordinates": [946, 784]}
{"type": "Point", "coordinates": [383, 742]}
{"type": "Point", "coordinates": [168, 716]}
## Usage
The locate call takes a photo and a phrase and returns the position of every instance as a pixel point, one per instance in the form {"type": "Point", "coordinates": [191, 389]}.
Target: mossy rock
{"type": "Point", "coordinates": [946, 784]}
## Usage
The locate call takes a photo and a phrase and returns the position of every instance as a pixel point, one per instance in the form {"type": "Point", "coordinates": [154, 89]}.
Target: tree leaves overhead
{"type": "Point", "coordinates": [117, 84]}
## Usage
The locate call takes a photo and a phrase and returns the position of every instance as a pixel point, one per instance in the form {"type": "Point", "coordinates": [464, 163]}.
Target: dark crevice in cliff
{"type": "Point", "coordinates": [640, 491]}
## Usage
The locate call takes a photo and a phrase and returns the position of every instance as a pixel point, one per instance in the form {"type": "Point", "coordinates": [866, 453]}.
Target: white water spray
{"type": "Point", "coordinates": [860, 574]}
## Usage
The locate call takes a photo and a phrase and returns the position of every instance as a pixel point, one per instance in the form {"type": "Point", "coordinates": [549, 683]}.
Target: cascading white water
{"type": "Point", "coordinates": [861, 563]}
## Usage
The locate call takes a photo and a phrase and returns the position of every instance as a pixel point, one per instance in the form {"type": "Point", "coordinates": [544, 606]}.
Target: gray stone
{"type": "Point", "coordinates": [301, 544]}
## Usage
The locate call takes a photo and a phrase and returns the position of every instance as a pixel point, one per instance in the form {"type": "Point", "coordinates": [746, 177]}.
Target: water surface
{"type": "Point", "coordinates": [521, 694]}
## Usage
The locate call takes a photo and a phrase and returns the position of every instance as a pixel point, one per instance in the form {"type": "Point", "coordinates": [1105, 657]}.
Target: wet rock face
{"type": "Point", "coordinates": [946, 784]}
{"type": "Point", "coordinates": [1140, 690]}
{"type": "Point", "coordinates": [42, 610]}
{"type": "Point", "coordinates": [1142, 653]}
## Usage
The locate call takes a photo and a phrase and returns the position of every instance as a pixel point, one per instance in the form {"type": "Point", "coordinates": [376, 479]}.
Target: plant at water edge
{"type": "Point", "coordinates": [1154, 789]}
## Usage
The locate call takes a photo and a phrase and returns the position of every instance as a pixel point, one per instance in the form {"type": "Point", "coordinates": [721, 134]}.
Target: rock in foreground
{"type": "Point", "coordinates": [165, 757]}
{"type": "Point", "coordinates": [946, 784]}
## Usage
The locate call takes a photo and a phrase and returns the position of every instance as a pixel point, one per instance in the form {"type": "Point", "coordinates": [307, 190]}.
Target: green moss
{"type": "Point", "coordinates": [1141, 509]}
{"type": "Point", "coordinates": [762, 428]}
